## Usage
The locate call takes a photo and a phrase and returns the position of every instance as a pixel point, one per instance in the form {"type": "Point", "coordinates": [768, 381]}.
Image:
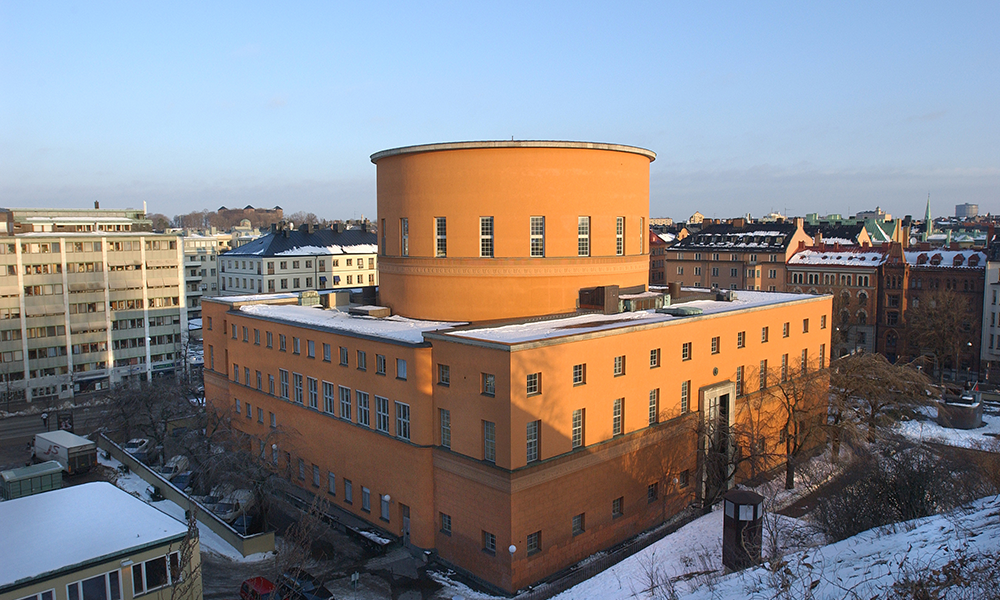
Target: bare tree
{"type": "Point", "coordinates": [940, 322]}
{"type": "Point", "coordinates": [150, 409]}
{"type": "Point", "coordinates": [869, 395]}
{"type": "Point", "coordinates": [796, 400]}
{"type": "Point", "coordinates": [185, 574]}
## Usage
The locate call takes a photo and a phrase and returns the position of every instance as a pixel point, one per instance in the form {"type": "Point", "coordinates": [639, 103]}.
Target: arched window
{"type": "Point", "coordinates": [862, 298]}
{"type": "Point", "coordinates": [845, 317]}
{"type": "Point", "coordinates": [890, 339]}
{"type": "Point", "coordinates": [862, 317]}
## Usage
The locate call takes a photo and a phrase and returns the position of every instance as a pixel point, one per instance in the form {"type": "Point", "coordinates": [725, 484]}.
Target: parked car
{"type": "Point", "coordinates": [256, 588]}
{"type": "Point", "coordinates": [234, 504]}
{"type": "Point", "coordinates": [141, 448]}
{"type": "Point", "coordinates": [174, 467]}
{"type": "Point", "coordinates": [215, 496]}
{"type": "Point", "coordinates": [186, 481]}
{"type": "Point", "coordinates": [300, 585]}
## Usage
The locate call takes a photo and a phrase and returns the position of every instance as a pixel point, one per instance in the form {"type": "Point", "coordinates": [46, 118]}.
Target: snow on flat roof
{"type": "Point", "coordinates": [392, 328]}
{"type": "Point", "coordinates": [845, 258]}
{"type": "Point", "coordinates": [589, 323]}
{"type": "Point", "coordinates": [74, 525]}
{"type": "Point", "coordinates": [323, 250]}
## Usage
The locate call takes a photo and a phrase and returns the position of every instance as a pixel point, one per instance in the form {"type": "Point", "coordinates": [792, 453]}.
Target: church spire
{"type": "Point", "coordinates": [928, 220]}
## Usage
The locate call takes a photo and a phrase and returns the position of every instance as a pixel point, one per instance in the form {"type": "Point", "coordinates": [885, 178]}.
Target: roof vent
{"type": "Point", "coordinates": [370, 311]}
{"type": "Point", "coordinates": [309, 298]}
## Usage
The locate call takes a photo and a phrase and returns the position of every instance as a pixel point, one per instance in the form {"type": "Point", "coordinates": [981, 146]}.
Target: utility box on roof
{"type": "Point", "coordinates": [742, 529]}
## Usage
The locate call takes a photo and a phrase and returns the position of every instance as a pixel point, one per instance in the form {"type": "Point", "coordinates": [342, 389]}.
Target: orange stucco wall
{"type": "Point", "coordinates": [510, 498]}
{"type": "Point", "coordinates": [510, 184]}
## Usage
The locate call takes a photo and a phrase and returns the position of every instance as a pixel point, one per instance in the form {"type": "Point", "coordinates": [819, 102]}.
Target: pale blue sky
{"type": "Point", "coordinates": [750, 106]}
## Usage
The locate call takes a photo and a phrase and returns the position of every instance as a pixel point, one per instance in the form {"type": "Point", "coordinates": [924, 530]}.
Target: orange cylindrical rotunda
{"type": "Point", "coordinates": [474, 231]}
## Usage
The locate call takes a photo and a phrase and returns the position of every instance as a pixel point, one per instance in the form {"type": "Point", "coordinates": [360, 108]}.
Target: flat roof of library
{"type": "Point", "coordinates": [512, 332]}
{"type": "Point", "coordinates": [583, 324]}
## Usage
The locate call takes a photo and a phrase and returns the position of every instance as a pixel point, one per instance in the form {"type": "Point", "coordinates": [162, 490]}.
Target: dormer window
{"type": "Point", "coordinates": [959, 259]}
{"type": "Point", "coordinates": [922, 259]}
{"type": "Point", "coordinates": [936, 259]}
{"type": "Point", "coordinates": [974, 260]}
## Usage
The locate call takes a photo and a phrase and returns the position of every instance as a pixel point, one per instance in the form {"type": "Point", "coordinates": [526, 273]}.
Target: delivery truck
{"type": "Point", "coordinates": [76, 454]}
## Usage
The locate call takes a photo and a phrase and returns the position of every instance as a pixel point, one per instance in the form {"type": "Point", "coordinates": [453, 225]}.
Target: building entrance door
{"type": "Point", "coordinates": [405, 511]}
{"type": "Point", "coordinates": [717, 450]}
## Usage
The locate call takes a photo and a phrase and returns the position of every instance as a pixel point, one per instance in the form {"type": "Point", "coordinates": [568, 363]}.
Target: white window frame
{"type": "Point", "coordinates": [486, 237]}
{"type": "Point", "coordinates": [536, 232]}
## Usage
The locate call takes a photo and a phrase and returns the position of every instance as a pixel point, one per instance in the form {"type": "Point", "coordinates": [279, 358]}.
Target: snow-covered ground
{"type": "Point", "coordinates": [209, 540]}
{"type": "Point", "coordinates": [929, 430]}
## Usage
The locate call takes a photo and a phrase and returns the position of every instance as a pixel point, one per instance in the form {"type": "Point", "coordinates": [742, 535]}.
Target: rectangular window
{"type": "Point", "coordinates": [784, 330]}
{"type": "Point", "coordinates": [654, 406]}
{"type": "Point", "coordinates": [578, 424]}
{"type": "Point", "coordinates": [686, 351]}
{"type": "Point", "coordinates": [618, 507]}
{"type": "Point", "coordinates": [784, 367]}
{"type": "Point", "coordinates": [654, 358]}
{"type": "Point", "coordinates": [313, 392]}
{"type": "Point", "coordinates": [579, 524]}
{"type": "Point", "coordinates": [236, 373]}
{"type": "Point", "coordinates": [804, 361]}
{"type": "Point", "coordinates": [534, 543]}
{"type": "Point", "coordinates": [297, 384]}
{"type": "Point", "coordinates": [822, 355]}
{"type": "Point", "coordinates": [384, 503]}
{"type": "Point", "coordinates": [348, 491]}
{"type": "Point", "coordinates": [281, 342]}
{"type": "Point", "coordinates": [401, 369]}
{"type": "Point", "coordinates": [331, 483]}
{"type": "Point", "coordinates": [619, 366]}
{"type": "Point", "coordinates": [404, 237]}
{"type": "Point", "coordinates": [445, 418]}
{"type": "Point", "coordinates": [345, 402]}
{"type": "Point", "coordinates": [302, 469]}
{"type": "Point", "coordinates": [618, 417]}
{"type": "Point", "coordinates": [274, 419]}
{"type": "Point", "coordinates": [270, 340]}
{"type": "Point", "coordinates": [620, 236]}
{"type": "Point", "coordinates": [715, 345]}
{"type": "Point", "coordinates": [363, 412]}
{"type": "Point", "coordinates": [379, 364]}
{"type": "Point", "coordinates": [763, 374]}
{"type": "Point", "coordinates": [234, 331]}
{"type": "Point", "coordinates": [382, 414]}
{"type": "Point", "coordinates": [146, 577]}
{"type": "Point", "coordinates": [685, 396]}
{"type": "Point", "coordinates": [741, 339]}
{"type": "Point", "coordinates": [402, 421]}
{"type": "Point", "coordinates": [440, 237]}
{"type": "Point", "coordinates": [310, 349]}
{"type": "Point", "coordinates": [329, 401]}
{"type": "Point", "coordinates": [326, 352]}
{"type": "Point", "coordinates": [444, 375]}
{"type": "Point", "coordinates": [489, 384]}
{"type": "Point", "coordinates": [246, 376]}
{"type": "Point", "coordinates": [238, 409]}
{"type": "Point", "coordinates": [652, 491]}
{"type": "Point", "coordinates": [256, 337]}
{"type": "Point", "coordinates": [682, 479]}
{"type": "Point", "coordinates": [583, 236]}
{"type": "Point", "coordinates": [579, 374]}
{"type": "Point", "coordinates": [343, 356]}
{"type": "Point", "coordinates": [270, 384]}
{"type": "Point", "coordinates": [537, 233]}
{"type": "Point", "coordinates": [489, 543]}
{"type": "Point", "coordinates": [532, 430]}
{"type": "Point", "coordinates": [366, 499]}
{"type": "Point", "coordinates": [533, 384]}
{"type": "Point", "coordinates": [490, 441]}
{"type": "Point", "coordinates": [739, 381]}
{"type": "Point", "coordinates": [283, 377]}
{"type": "Point", "coordinates": [822, 321]}
{"type": "Point", "coordinates": [486, 237]}
{"type": "Point", "coordinates": [805, 325]}
{"type": "Point", "coordinates": [246, 335]}
{"type": "Point", "coordinates": [362, 360]}
{"type": "Point", "coordinates": [763, 335]}
{"type": "Point", "coordinates": [445, 524]}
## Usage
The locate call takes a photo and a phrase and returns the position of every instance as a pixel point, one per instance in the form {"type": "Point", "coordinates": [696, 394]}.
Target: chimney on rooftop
{"type": "Point", "coordinates": [97, 204]}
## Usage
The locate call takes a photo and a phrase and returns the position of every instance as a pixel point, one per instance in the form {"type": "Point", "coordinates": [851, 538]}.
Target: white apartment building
{"type": "Point", "coordinates": [307, 258]}
{"type": "Point", "coordinates": [201, 267]}
{"type": "Point", "coordinates": [88, 298]}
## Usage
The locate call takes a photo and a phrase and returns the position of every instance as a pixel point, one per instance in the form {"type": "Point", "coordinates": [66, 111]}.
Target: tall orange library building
{"type": "Point", "coordinates": [518, 399]}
